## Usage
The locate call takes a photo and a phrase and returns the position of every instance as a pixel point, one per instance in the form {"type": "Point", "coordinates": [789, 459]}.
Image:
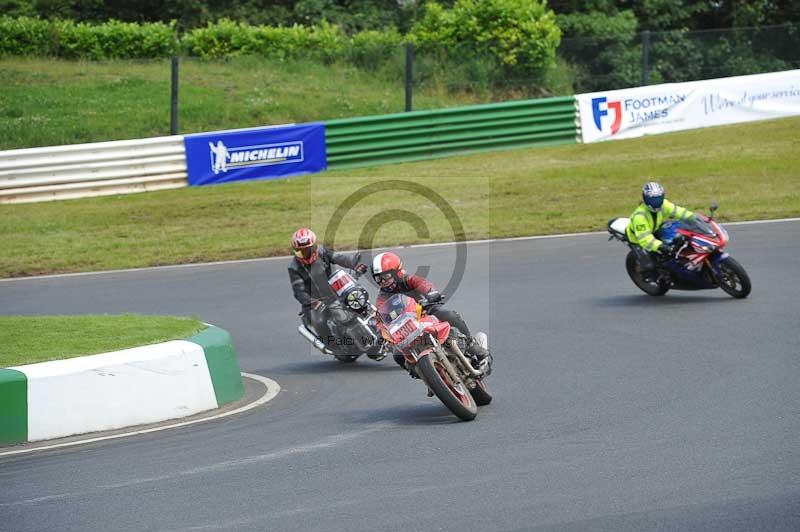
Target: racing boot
{"type": "Point", "coordinates": [376, 354]}
{"type": "Point", "coordinates": [481, 357]}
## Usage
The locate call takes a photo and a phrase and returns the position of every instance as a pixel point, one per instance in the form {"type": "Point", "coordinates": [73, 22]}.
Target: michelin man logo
{"type": "Point", "coordinates": [219, 157]}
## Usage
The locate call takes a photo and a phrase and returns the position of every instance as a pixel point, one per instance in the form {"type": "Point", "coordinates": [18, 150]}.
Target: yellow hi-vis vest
{"type": "Point", "coordinates": [644, 223]}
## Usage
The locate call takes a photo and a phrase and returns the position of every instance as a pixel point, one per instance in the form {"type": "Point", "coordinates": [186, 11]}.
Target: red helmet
{"type": "Point", "coordinates": [304, 244]}
{"type": "Point", "coordinates": [387, 270]}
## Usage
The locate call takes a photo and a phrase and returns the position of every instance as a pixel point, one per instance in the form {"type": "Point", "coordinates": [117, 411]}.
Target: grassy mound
{"type": "Point", "coordinates": [32, 339]}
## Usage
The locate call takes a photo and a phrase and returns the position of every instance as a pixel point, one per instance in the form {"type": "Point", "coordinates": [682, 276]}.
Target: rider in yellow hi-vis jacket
{"type": "Point", "coordinates": [647, 219]}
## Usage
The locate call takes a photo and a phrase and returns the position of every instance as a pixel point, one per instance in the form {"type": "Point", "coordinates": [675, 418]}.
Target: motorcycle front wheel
{"type": "Point", "coordinates": [733, 279]}
{"type": "Point", "coordinates": [455, 395]}
{"type": "Point", "coordinates": [652, 288]}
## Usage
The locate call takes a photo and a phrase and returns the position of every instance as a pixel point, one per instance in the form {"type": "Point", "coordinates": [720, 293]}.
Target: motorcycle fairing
{"type": "Point", "coordinates": [402, 321]}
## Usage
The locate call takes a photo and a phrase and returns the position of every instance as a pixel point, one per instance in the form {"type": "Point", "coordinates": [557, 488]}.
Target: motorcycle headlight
{"type": "Point", "coordinates": [701, 246]}
{"type": "Point", "coordinates": [356, 299]}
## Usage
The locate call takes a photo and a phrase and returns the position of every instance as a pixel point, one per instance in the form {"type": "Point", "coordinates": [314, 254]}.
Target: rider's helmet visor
{"type": "Point", "coordinates": [385, 280]}
{"type": "Point", "coordinates": [306, 252]}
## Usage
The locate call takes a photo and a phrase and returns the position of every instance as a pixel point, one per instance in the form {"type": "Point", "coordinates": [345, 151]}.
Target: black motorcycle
{"type": "Point", "coordinates": [351, 320]}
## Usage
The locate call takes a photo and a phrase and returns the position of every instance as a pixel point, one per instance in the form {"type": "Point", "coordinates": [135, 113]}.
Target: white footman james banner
{"type": "Point", "coordinates": [655, 109]}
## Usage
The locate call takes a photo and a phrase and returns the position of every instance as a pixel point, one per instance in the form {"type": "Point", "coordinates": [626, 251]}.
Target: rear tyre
{"type": "Point", "coordinates": [481, 394]}
{"type": "Point", "coordinates": [454, 395]}
{"type": "Point", "coordinates": [651, 288]}
{"type": "Point", "coordinates": [733, 279]}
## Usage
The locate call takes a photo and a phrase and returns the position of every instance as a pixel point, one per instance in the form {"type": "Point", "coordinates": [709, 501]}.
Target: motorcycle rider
{"type": "Point", "coordinates": [309, 272]}
{"type": "Point", "coordinates": [387, 271]}
{"type": "Point", "coordinates": [647, 219]}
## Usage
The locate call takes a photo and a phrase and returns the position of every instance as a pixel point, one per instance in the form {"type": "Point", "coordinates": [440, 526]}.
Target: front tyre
{"type": "Point", "coordinates": [733, 279]}
{"type": "Point", "coordinates": [652, 288]}
{"type": "Point", "coordinates": [454, 395]}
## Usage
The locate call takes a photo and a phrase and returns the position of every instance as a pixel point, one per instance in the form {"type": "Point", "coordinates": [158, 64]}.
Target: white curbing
{"type": "Point", "coordinates": [114, 390]}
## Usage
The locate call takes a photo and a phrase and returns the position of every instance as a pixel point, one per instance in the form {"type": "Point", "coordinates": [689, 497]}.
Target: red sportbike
{"type": "Point", "coordinates": [438, 361]}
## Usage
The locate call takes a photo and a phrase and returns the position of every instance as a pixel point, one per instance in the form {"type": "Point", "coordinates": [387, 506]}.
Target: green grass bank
{"type": "Point", "coordinates": [32, 339]}
{"type": "Point", "coordinates": [750, 169]}
{"type": "Point", "coordinates": [49, 102]}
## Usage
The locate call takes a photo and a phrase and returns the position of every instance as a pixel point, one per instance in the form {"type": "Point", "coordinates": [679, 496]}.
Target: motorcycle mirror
{"type": "Point", "coordinates": [714, 207]}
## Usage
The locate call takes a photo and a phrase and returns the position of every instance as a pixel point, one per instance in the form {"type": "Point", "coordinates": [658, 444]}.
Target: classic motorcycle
{"type": "Point", "coordinates": [699, 261]}
{"type": "Point", "coordinates": [357, 333]}
{"type": "Point", "coordinates": [429, 354]}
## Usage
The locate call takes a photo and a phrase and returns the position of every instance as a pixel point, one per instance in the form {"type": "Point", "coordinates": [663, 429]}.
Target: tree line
{"type": "Point", "coordinates": [360, 15]}
{"type": "Point", "coordinates": [533, 46]}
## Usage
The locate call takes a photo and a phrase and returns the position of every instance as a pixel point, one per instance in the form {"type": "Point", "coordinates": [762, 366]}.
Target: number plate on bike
{"type": "Point", "coordinates": [405, 329]}
{"type": "Point", "coordinates": [340, 281]}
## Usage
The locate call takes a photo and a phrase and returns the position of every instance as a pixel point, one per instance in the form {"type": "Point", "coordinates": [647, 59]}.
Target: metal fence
{"type": "Point", "coordinates": [620, 61]}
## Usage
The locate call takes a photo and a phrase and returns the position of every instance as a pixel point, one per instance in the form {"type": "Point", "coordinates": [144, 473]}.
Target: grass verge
{"type": "Point", "coordinates": [29, 339]}
{"type": "Point", "coordinates": [750, 169]}
{"type": "Point", "coordinates": [49, 102]}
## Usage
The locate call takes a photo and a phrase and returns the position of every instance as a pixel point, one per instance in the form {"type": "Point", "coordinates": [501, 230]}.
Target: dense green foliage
{"type": "Point", "coordinates": [66, 38]}
{"type": "Point", "coordinates": [513, 47]}
{"type": "Point", "coordinates": [687, 40]}
{"type": "Point", "coordinates": [358, 15]}
{"type": "Point", "coordinates": [520, 34]}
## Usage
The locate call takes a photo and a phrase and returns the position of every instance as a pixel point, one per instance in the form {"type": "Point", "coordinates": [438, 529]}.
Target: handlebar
{"type": "Point", "coordinates": [426, 304]}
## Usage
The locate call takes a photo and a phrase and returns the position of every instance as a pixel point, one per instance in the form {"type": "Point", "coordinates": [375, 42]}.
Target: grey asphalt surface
{"type": "Point", "coordinates": [613, 410]}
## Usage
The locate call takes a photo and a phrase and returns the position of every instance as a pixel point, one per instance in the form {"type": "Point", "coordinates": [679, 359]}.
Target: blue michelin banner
{"type": "Point", "coordinates": [257, 153]}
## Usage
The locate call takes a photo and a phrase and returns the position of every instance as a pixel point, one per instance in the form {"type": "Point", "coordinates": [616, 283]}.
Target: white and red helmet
{"type": "Point", "coordinates": [304, 245]}
{"type": "Point", "coordinates": [387, 270]}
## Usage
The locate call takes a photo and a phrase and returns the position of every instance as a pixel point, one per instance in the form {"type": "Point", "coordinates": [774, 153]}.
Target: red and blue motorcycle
{"type": "Point", "coordinates": [699, 261]}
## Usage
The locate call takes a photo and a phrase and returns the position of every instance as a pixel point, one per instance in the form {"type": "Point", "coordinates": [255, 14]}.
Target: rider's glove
{"type": "Point", "coordinates": [434, 297]}
{"type": "Point", "coordinates": [665, 250]}
{"type": "Point", "coordinates": [361, 267]}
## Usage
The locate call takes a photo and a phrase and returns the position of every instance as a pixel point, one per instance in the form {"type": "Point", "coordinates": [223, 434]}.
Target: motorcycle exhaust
{"type": "Point", "coordinates": [305, 333]}
{"type": "Point", "coordinates": [465, 361]}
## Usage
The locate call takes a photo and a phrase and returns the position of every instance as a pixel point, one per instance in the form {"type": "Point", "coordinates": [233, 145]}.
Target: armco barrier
{"type": "Point", "coordinates": [121, 167]}
{"type": "Point", "coordinates": [97, 169]}
{"type": "Point", "coordinates": [418, 135]}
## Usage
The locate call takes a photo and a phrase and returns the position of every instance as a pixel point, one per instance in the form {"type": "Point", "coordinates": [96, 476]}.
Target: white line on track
{"type": "Point", "coordinates": [272, 390]}
{"type": "Point", "coordinates": [282, 257]}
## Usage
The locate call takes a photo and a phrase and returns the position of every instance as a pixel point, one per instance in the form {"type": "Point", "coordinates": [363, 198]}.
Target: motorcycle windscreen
{"type": "Point", "coordinates": [399, 314]}
{"type": "Point", "coordinates": [701, 226]}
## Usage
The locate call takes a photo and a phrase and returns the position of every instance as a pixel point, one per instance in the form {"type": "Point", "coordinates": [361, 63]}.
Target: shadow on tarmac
{"type": "Point", "coordinates": [407, 414]}
{"type": "Point", "coordinates": [644, 300]}
{"type": "Point", "coordinates": [332, 366]}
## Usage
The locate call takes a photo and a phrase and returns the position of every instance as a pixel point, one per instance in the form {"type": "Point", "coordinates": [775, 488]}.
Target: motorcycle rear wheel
{"type": "Point", "coordinates": [455, 395]}
{"type": "Point", "coordinates": [734, 280]}
{"type": "Point", "coordinates": [648, 287]}
{"type": "Point", "coordinates": [481, 394]}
